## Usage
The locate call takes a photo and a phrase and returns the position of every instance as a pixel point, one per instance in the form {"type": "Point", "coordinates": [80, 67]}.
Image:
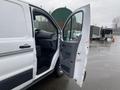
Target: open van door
{"type": "Point", "coordinates": [75, 44]}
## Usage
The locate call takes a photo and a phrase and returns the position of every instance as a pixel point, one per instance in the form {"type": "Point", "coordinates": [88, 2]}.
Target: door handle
{"type": "Point", "coordinates": [24, 46]}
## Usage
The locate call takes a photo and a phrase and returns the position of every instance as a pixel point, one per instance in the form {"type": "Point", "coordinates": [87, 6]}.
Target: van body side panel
{"type": "Point", "coordinates": [16, 63]}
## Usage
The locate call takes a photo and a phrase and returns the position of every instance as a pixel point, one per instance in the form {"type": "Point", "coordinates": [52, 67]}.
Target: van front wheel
{"type": "Point", "coordinates": [58, 71]}
{"type": "Point", "coordinates": [85, 76]}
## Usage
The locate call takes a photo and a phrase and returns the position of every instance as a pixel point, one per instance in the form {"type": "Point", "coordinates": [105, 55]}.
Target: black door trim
{"type": "Point", "coordinates": [16, 80]}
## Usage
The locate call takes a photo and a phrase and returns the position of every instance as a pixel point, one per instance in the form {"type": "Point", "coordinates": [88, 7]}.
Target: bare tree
{"type": "Point", "coordinates": [116, 22]}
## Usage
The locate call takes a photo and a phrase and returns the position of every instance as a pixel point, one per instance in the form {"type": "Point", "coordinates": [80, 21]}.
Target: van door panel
{"type": "Point", "coordinates": [15, 63]}
{"type": "Point", "coordinates": [13, 58]}
{"type": "Point", "coordinates": [75, 44]}
{"type": "Point", "coordinates": [68, 54]}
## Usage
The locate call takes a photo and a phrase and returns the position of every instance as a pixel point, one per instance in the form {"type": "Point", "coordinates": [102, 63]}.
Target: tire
{"type": "Point", "coordinates": [85, 76]}
{"type": "Point", "coordinates": [58, 71]}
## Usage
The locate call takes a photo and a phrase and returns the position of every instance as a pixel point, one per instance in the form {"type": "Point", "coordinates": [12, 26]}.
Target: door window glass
{"type": "Point", "coordinates": [73, 28]}
{"type": "Point", "coordinates": [42, 23]}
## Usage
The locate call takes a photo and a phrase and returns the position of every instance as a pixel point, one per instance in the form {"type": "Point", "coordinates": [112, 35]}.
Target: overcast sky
{"type": "Point", "coordinates": [102, 11]}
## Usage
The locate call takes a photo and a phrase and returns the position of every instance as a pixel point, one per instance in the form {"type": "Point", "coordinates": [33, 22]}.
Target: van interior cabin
{"type": "Point", "coordinates": [46, 40]}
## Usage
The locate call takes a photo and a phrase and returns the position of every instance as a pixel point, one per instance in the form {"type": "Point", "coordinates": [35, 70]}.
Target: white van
{"type": "Point", "coordinates": [33, 46]}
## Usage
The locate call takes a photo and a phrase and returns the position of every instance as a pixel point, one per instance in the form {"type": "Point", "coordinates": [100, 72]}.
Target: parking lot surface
{"type": "Point", "coordinates": [103, 70]}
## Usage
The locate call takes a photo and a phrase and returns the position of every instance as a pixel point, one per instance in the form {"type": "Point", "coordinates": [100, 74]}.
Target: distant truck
{"type": "Point", "coordinates": [95, 32]}
{"type": "Point", "coordinates": [98, 33]}
{"type": "Point", "coordinates": [106, 33]}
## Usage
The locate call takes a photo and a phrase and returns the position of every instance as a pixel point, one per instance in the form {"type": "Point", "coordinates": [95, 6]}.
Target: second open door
{"type": "Point", "coordinates": [75, 44]}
